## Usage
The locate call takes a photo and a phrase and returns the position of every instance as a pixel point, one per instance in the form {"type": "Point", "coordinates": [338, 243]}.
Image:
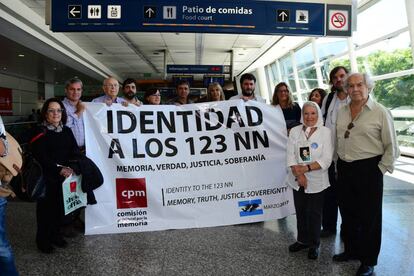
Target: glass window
{"type": "Point", "coordinates": [287, 72]}
{"type": "Point", "coordinates": [275, 73]}
{"type": "Point", "coordinates": [304, 57]}
{"type": "Point", "coordinates": [286, 65]}
{"type": "Point", "coordinates": [330, 47]}
{"type": "Point", "coordinates": [384, 17]}
{"type": "Point", "coordinates": [388, 56]}
{"type": "Point", "coordinates": [308, 79]}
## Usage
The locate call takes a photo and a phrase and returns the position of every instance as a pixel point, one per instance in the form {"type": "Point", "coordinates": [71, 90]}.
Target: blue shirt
{"type": "Point", "coordinates": [102, 99]}
{"type": "Point", "coordinates": [75, 123]}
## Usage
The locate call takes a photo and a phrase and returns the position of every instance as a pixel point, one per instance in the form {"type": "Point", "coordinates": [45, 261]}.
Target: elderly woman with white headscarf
{"type": "Point", "coordinates": [309, 155]}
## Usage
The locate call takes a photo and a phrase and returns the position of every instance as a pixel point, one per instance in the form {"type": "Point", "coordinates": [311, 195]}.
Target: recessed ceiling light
{"type": "Point", "coordinates": [20, 55]}
{"type": "Point", "coordinates": [98, 53]}
{"type": "Point", "coordinates": [4, 68]}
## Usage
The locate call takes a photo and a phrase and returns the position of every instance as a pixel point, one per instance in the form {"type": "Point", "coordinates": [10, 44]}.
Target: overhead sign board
{"type": "Point", "coordinates": [338, 20]}
{"type": "Point", "coordinates": [195, 69]}
{"type": "Point", "coordinates": [243, 16]}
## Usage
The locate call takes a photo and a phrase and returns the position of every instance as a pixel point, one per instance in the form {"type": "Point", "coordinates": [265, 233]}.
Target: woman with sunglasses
{"type": "Point", "coordinates": [152, 96]}
{"type": "Point", "coordinates": [309, 155]}
{"type": "Point", "coordinates": [52, 145]}
{"type": "Point", "coordinates": [367, 148]}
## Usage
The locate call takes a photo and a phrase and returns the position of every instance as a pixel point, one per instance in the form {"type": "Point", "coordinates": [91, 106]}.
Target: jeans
{"type": "Point", "coordinates": [7, 266]}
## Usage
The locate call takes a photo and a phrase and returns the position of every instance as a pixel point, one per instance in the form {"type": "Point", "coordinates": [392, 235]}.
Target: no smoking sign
{"type": "Point", "coordinates": [338, 20]}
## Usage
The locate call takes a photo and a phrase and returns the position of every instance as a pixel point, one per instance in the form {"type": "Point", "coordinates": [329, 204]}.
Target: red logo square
{"type": "Point", "coordinates": [72, 186]}
{"type": "Point", "coordinates": [131, 193]}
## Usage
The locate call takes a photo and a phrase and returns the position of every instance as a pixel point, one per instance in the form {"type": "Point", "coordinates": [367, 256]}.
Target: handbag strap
{"type": "Point", "coordinates": [36, 137]}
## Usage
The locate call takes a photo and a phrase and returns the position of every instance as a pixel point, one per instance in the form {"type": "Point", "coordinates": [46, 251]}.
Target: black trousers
{"type": "Point", "coordinates": [330, 205]}
{"type": "Point", "coordinates": [308, 216]}
{"type": "Point", "coordinates": [360, 190]}
{"type": "Point", "coordinates": [49, 213]}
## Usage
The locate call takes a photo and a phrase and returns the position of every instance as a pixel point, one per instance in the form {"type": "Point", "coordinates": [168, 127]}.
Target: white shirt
{"type": "Point", "coordinates": [320, 145]}
{"type": "Point", "coordinates": [256, 98]}
{"type": "Point", "coordinates": [332, 116]}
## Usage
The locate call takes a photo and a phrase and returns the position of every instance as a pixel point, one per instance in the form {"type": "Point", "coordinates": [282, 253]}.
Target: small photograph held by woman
{"type": "Point", "coordinates": [152, 96]}
{"type": "Point", "coordinates": [214, 93]}
{"type": "Point", "coordinates": [53, 145]}
{"type": "Point", "coordinates": [317, 95]}
{"type": "Point", "coordinates": [309, 155]}
{"type": "Point", "coordinates": [291, 110]}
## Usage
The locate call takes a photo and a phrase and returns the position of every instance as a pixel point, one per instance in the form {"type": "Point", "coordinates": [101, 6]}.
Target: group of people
{"type": "Point", "coordinates": [337, 157]}
{"type": "Point", "coordinates": [339, 147]}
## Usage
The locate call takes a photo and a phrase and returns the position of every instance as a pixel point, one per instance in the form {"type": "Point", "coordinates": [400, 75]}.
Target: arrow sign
{"type": "Point", "coordinates": [74, 11]}
{"type": "Point", "coordinates": [150, 12]}
{"type": "Point", "coordinates": [283, 15]}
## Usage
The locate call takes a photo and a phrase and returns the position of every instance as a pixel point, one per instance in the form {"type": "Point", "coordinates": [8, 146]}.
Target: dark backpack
{"type": "Point", "coordinates": [30, 184]}
{"type": "Point", "coordinates": [328, 102]}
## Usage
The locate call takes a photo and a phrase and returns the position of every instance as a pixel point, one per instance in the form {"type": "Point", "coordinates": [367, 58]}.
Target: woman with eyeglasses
{"type": "Point", "coordinates": [309, 155]}
{"type": "Point", "coordinates": [291, 110]}
{"type": "Point", "coordinates": [367, 149]}
{"type": "Point", "coordinates": [52, 145]}
{"type": "Point", "coordinates": [152, 96]}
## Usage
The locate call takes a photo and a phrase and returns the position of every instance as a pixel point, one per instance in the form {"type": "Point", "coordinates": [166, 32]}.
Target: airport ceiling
{"type": "Point", "coordinates": [137, 55]}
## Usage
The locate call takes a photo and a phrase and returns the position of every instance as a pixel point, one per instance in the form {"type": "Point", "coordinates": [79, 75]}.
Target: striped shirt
{"type": "Point", "coordinates": [75, 123]}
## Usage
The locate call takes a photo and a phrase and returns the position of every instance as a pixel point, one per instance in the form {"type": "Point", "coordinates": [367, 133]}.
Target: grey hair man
{"type": "Point", "coordinates": [111, 88]}
{"type": "Point", "coordinates": [367, 148]}
{"type": "Point", "coordinates": [74, 109]}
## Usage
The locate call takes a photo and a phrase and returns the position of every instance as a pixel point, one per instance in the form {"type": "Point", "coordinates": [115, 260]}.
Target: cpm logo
{"type": "Point", "coordinates": [131, 193]}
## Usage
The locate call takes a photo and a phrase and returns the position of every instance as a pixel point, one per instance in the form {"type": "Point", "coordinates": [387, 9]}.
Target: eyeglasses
{"type": "Point", "coordinates": [55, 110]}
{"type": "Point", "coordinates": [111, 85]}
{"type": "Point", "coordinates": [347, 132]}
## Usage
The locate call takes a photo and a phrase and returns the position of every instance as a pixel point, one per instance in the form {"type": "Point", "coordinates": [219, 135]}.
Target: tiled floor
{"type": "Point", "coordinates": [251, 249]}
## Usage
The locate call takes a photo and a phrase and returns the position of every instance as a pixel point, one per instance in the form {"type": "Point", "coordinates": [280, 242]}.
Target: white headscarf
{"type": "Point", "coordinates": [319, 122]}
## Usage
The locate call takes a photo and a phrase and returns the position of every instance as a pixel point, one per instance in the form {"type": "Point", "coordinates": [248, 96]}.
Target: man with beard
{"type": "Point", "coordinates": [330, 107]}
{"type": "Point", "coordinates": [248, 84]}
{"type": "Point", "coordinates": [130, 89]}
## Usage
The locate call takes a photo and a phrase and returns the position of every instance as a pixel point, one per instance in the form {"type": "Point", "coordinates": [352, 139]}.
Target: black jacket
{"type": "Point", "coordinates": [91, 175]}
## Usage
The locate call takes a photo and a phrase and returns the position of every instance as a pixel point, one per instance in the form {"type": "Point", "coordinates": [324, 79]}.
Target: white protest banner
{"type": "Point", "coordinates": [197, 165]}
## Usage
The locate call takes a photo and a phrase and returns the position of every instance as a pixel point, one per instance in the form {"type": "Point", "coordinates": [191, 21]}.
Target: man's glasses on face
{"type": "Point", "coordinates": [347, 132]}
{"type": "Point", "coordinates": [111, 85]}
